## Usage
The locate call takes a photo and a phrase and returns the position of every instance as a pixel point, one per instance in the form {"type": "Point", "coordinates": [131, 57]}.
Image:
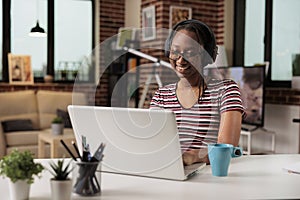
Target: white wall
{"type": "Point", "coordinates": [132, 13]}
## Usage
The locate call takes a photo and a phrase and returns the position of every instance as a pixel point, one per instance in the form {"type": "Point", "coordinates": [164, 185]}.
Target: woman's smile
{"type": "Point", "coordinates": [182, 69]}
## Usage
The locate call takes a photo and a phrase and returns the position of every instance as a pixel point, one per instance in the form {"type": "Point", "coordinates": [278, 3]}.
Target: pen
{"type": "Point", "coordinates": [293, 172]}
{"type": "Point", "coordinates": [83, 142]}
{"type": "Point", "coordinates": [98, 154]}
{"type": "Point", "coordinates": [76, 149]}
{"type": "Point", "coordinates": [86, 155]}
{"type": "Point", "coordinates": [66, 147]}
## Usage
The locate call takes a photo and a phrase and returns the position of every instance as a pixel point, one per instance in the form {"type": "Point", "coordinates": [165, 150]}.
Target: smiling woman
{"type": "Point", "coordinates": [206, 110]}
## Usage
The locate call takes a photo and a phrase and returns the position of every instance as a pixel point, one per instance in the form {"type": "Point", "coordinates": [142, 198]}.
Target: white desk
{"type": "Point", "coordinates": [250, 177]}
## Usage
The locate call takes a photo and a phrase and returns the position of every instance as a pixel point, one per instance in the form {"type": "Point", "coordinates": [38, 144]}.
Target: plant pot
{"type": "Point", "coordinates": [19, 190]}
{"type": "Point", "coordinates": [61, 189]}
{"type": "Point", "coordinates": [48, 79]}
{"type": "Point", "coordinates": [57, 129]}
{"type": "Point", "coordinates": [64, 75]}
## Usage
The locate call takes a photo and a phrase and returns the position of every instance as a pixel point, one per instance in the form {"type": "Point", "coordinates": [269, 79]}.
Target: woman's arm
{"type": "Point", "coordinates": [229, 133]}
{"type": "Point", "coordinates": [230, 127]}
{"type": "Point", "coordinates": [194, 156]}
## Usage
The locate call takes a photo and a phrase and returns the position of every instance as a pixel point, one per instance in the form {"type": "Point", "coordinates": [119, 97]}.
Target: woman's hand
{"type": "Point", "coordinates": [195, 155]}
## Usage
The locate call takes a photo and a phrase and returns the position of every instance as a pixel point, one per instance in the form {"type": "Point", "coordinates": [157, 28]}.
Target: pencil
{"type": "Point", "coordinates": [76, 149]}
{"type": "Point", "coordinates": [66, 147]}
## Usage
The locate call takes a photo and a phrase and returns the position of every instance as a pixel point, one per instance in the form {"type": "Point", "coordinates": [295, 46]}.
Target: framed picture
{"type": "Point", "coordinates": [123, 35]}
{"type": "Point", "coordinates": [178, 13]}
{"type": "Point", "coordinates": [148, 23]}
{"type": "Point", "coordinates": [20, 71]}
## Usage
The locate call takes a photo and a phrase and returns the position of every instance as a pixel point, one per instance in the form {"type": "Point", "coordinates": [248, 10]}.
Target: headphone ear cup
{"type": "Point", "coordinates": [167, 47]}
{"type": "Point", "coordinates": [212, 50]}
{"type": "Point", "coordinates": [209, 57]}
{"type": "Point", "coordinates": [206, 59]}
{"type": "Point", "coordinates": [170, 37]}
{"type": "Point", "coordinates": [215, 53]}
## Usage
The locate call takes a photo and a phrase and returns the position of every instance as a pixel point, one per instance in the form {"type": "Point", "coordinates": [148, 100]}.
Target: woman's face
{"type": "Point", "coordinates": [185, 54]}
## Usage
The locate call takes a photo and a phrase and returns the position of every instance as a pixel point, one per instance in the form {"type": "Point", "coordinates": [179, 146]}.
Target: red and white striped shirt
{"type": "Point", "coordinates": [199, 125]}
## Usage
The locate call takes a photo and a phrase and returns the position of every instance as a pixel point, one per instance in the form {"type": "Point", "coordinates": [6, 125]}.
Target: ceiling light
{"type": "Point", "coordinates": [37, 31]}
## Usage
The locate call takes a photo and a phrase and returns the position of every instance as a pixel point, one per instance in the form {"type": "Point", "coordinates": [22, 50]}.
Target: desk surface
{"type": "Point", "coordinates": [250, 177]}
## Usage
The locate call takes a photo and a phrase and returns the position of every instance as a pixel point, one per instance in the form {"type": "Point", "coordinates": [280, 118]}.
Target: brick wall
{"type": "Point", "coordinates": [210, 12]}
{"type": "Point", "coordinates": [282, 96]}
{"type": "Point", "coordinates": [111, 18]}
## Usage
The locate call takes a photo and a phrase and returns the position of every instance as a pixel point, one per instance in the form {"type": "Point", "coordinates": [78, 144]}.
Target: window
{"type": "Point", "coordinates": [66, 41]}
{"type": "Point", "coordinates": [285, 38]}
{"type": "Point", "coordinates": [73, 41]}
{"type": "Point", "coordinates": [254, 32]}
{"type": "Point", "coordinates": [268, 31]}
{"type": "Point", "coordinates": [24, 16]}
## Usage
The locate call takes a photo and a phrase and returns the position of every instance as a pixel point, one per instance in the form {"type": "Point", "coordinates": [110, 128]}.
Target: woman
{"type": "Point", "coordinates": [207, 110]}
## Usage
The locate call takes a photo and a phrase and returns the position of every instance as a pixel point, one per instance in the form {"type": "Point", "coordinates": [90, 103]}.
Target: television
{"type": "Point", "coordinates": [251, 81]}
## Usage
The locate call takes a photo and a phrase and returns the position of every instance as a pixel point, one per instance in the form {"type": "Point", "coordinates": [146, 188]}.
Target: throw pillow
{"type": "Point", "coordinates": [17, 125]}
{"type": "Point", "coordinates": [65, 115]}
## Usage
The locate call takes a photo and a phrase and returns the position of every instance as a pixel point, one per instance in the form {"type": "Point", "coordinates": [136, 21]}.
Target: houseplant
{"type": "Point", "coordinates": [20, 168]}
{"type": "Point", "coordinates": [57, 125]}
{"type": "Point", "coordinates": [61, 184]}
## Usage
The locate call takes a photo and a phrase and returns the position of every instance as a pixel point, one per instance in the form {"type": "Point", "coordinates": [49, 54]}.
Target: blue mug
{"type": "Point", "coordinates": [219, 157]}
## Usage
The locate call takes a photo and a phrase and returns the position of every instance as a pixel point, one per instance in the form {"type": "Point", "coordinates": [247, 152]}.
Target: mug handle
{"type": "Point", "coordinates": [237, 152]}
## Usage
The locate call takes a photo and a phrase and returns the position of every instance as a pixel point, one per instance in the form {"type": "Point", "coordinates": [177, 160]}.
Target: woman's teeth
{"type": "Point", "coordinates": [182, 68]}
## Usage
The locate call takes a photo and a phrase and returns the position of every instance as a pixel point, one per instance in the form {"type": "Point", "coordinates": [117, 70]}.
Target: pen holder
{"type": "Point", "coordinates": [87, 178]}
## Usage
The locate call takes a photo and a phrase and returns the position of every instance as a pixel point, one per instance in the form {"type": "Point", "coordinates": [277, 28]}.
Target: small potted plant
{"type": "Point", "coordinates": [57, 126]}
{"type": "Point", "coordinates": [61, 184]}
{"type": "Point", "coordinates": [20, 168]}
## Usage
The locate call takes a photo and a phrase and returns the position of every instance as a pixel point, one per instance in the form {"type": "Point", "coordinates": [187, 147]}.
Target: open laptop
{"type": "Point", "coordinates": [142, 142]}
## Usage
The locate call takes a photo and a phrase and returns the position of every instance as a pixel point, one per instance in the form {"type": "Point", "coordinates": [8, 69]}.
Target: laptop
{"type": "Point", "coordinates": [141, 142]}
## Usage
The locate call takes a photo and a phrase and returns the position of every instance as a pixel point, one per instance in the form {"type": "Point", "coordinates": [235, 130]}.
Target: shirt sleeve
{"type": "Point", "coordinates": [231, 98]}
{"type": "Point", "coordinates": [156, 101]}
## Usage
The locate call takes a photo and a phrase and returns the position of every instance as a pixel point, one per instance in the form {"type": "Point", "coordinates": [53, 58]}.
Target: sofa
{"type": "Point", "coordinates": [25, 114]}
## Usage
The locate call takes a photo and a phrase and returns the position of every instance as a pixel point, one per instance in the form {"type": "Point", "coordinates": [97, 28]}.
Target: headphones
{"type": "Point", "coordinates": [205, 33]}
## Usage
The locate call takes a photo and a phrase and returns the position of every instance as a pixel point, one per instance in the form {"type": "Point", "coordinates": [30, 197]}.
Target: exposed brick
{"type": "Point", "coordinates": [273, 92]}
{"type": "Point", "coordinates": [294, 100]}
{"type": "Point", "coordinates": [280, 99]}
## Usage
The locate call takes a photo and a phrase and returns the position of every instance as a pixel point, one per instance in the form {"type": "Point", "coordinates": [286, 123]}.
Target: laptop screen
{"type": "Point", "coordinates": [138, 141]}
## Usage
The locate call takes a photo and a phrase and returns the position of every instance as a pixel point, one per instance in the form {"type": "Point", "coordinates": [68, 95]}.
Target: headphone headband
{"type": "Point", "coordinates": [207, 35]}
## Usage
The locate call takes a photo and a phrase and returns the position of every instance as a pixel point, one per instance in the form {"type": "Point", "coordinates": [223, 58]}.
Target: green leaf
{"type": "Point", "coordinates": [20, 166]}
{"type": "Point", "coordinates": [58, 170]}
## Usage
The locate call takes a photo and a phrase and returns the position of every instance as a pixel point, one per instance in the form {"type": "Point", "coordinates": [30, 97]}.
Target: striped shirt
{"type": "Point", "coordinates": [199, 124]}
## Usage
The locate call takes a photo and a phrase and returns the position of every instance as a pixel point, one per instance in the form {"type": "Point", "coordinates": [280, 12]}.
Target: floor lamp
{"type": "Point", "coordinates": [157, 63]}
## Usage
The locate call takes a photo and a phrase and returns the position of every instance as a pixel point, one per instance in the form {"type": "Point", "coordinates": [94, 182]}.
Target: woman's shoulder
{"type": "Point", "coordinates": [216, 83]}
{"type": "Point", "coordinates": [169, 87]}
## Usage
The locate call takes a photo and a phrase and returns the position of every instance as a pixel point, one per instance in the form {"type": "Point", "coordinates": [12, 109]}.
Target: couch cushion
{"type": "Point", "coordinates": [22, 138]}
{"type": "Point", "coordinates": [17, 125]}
{"type": "Point", "coordinates": [32, 148]}
{"type": "Point", "coordinates": [49, 101]}
{"type": "Point", "coordinates": [19, 105]}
